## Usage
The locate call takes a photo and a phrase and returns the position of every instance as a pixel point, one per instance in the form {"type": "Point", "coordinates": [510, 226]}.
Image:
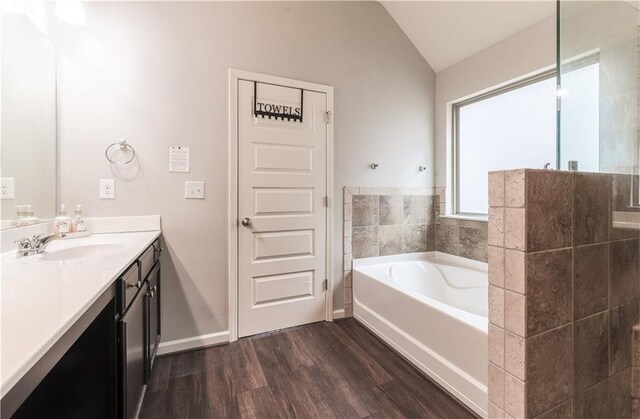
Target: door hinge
{"type": "Point", "coordinates": [326, 201]}
{"type": "Point", "coordinates": [328, 117]}
{"type": "Point", "coordinates": [325, 285]}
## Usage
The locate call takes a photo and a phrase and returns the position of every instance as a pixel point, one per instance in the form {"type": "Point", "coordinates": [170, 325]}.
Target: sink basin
{"type": "Point", "coordinates": [78, 252]}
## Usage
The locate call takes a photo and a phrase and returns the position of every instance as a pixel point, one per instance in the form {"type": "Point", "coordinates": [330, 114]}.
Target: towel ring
{"type": "Point", "coordinates": [122, 144]}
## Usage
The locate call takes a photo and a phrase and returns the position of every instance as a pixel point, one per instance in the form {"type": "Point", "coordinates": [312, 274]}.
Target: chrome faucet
{"type": "Point", "coordinates": [37, 244]}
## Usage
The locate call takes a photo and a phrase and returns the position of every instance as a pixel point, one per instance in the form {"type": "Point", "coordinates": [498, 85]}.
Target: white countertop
{"type": "Point", "coordinates": [41, 299]}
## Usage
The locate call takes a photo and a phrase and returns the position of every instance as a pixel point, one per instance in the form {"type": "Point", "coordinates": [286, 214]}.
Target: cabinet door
{"type": "Point", "coordinates": [133, 344]}
{"type": "Point", "coordinates": [153, 317]}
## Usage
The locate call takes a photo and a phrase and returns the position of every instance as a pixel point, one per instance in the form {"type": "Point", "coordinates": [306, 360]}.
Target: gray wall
{"type": "Point", "coordinates": [157, 74]}
{"type": "Point", "coordinates": [526, 52]}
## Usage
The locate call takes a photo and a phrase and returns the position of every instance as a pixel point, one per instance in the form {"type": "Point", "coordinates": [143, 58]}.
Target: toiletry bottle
{"type": "Point", "coordinates": [17, 222]}
{"type": "Point", "coordinates": [62, 223]}
{"type": "Point", "coordinates": [29, 217]}
{"type": "Point", "coordinates": [79, 226]}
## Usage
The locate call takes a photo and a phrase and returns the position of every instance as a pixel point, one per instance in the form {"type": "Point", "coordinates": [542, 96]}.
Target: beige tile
{"type": "Point", "coordinates": [348, 310]}
{"type": "Point", "coordinates": [390, 240]}
{"type": "Point", "coordinates": [562, 411]}
{"type": "Point", "coordinates": [496, 306]}
{"type": "Point", "coordinates": [391, 209]}
{"type": "Point", "coordinates": [496, 345]}
{"type": "Point", "coordinates": [346, 227]}
{"type": "Point", "coordinates": [365, 211]}
{"type": "Point", "coordinates": [514, 228]}
{"type": "Point", "coordinates": [347, 196]}
{"type": "Point", "coordinates": [591, 208]}
{"type": "Point", "coordinates": [393, 191]}
{"type": "Point", "coordinates": [496, 189]}
{"type": "Point", "coordinates": [496, 385]}
{"type": "Point", "coordinates": [549, 363]}
{"type": "Point", "coordinates": [590, 351]}
{"type": "Point", "coordinates": [346, 245]}
{"type": "Point", "coordinates": [348, 258]}
{"type": "Point", "coordinates": [514, 268]}
{"type": "Point", "coordinates": [515, 313]}
{"type": "Point", "coordinates": [473, 243]}
{"type": "Point", "coordinates": [624, 271]}
{"type": "Point", "coordinates": [347, 279]}
{"type": "Point", "coordinates": [619, 395]}
{"type": "Point", "coordinates": [414, 238]}
{"type": "Point", "coordinates": [365, 242]}
{"type": "Point", "coordinates": [495, 257]}
{"type": "Point", "coordinates": [348, 295]}
{"type": "Point", "coordinates": [593, 402]}
{"type": "Point", "coordinates": [590, 280]}
{"type": "Point", "coordinates": [514, 355]}
{"type": "Point", "coordinates": [514, 188]}
{"type": "Point", "coordinates": [495, 412]}
{"type": "Point", "coordinates": [368, 190]}
{"type": "Point", "coordinates": [347, 212]}
{"type": "Point", "coordinates": [621, 321]}
{"type": "Point", "coordinates": [420, 191]}
{"type": "Point", "coordinates": [549, 290]}
{"type": "Point", "coordinates": [514, 396]}
{"type": "Point", "coordinates": [414, 209]}
{"type": "Point", "coordinates": [447, 238]}
{"type": "Point", "coordinates": [495, 227]}
{"type": "Point", "coordinates": [549, 210]}
{"type": "Point", "coordinates": [354, 190]}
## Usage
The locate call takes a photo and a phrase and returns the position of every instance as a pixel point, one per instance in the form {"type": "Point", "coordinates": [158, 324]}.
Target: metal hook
{"type": "Point", "coordinates": [374, 166]}
{"type": "Point", "coordinates": [422, 168]}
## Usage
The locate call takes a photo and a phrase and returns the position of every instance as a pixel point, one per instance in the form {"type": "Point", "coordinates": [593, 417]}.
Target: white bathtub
{"type": "Point", "coordinates": [432, 308]}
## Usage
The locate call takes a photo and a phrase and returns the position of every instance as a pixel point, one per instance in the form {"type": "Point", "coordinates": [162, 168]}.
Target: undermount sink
{"type": "Point", "coordinates": [78, 252]}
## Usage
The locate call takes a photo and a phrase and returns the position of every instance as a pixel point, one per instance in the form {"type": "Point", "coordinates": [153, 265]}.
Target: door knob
{"type": "Point", "coordinates": [246, 221]}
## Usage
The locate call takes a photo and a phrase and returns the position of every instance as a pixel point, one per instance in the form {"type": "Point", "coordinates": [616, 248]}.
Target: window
{"type": "Point", "coordinates": [508, 128]}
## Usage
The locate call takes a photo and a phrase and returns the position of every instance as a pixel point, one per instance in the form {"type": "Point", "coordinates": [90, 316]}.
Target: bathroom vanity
{"type": "Point", "coordinates": [81, 326]}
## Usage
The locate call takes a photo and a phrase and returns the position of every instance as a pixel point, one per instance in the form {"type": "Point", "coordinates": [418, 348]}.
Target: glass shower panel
{"type": "Point", "coordinates": [598, 56]}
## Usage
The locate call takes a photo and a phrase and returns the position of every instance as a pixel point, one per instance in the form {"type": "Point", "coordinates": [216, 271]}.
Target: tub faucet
{"type": "Point", "coordinates": [37, 244]}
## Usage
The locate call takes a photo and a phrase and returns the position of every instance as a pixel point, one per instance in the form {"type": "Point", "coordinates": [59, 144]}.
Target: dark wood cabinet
{"type": "Point", "coordinates": [139, 329]}
{"type": "Point", "coordinates": [101, 366]}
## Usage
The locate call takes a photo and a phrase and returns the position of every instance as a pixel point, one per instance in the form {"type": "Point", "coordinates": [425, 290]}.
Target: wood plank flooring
{"type": "Point", "coordinates": [322, 370]}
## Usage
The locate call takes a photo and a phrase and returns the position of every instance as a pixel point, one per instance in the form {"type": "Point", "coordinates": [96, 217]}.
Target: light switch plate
{"type": "Point", "coordinates": [7, 190]}
{"type": "Point", "coordinates": [194, 190]}
{"type": "Point", "coordinates": [107, 189]}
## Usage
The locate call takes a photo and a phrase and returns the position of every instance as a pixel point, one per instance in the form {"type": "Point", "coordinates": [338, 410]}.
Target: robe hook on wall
{"type": "Point", "coordinates": [374, 166]}
{"type": "Point", "coordinates": [422, 168]}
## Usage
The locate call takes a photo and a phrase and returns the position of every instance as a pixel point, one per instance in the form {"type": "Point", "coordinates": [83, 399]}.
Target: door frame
{"type": "Point", "coordinates": [235, 76]}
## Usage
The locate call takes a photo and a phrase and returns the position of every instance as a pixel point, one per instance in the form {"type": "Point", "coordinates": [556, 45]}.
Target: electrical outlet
{"type": "Point", "coordinates": [194, 190]}
{"type": "Point", "coordinates": [107, 189]}
{"type": "Point", "coordinates": [7, 188]}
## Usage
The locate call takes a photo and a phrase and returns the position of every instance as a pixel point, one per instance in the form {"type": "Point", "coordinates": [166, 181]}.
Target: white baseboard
{"type": "Point", "coordinates": [338, 314]}
{"type": "Point", "coordinates": [194, 342]}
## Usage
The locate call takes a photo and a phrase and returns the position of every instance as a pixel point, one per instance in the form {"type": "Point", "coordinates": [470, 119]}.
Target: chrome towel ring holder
{"type": "Point", "coordinates": [122, 145]}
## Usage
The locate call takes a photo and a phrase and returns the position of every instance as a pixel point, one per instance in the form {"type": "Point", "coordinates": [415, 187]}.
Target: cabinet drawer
{"type": "Point", "coordinates": [147, 259]}
{"type": "Point", "coordinates": [129, 284]}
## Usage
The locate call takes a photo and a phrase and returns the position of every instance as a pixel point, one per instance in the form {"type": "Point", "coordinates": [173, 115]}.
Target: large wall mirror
{"type": "Point", "coordinates": [28, 118]}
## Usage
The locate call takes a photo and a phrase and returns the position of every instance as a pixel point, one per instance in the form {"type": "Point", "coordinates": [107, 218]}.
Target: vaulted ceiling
{"type": "Point", "coordinates": [447, 32]}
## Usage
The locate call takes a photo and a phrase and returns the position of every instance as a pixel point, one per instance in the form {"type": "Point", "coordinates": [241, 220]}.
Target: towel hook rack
{"type": "Point", "coordinates": [122, 145]}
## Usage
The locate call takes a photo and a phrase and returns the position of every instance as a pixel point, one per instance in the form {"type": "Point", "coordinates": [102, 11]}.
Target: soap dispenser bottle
{"type": "Point", "coordinates": [29, 217]}
{"type": "Point", "coordinates": [19, 220]}
{"type": "Point", "coordinates": [62, 223]}
{"type": "Point", "coordinates": [79, 226]}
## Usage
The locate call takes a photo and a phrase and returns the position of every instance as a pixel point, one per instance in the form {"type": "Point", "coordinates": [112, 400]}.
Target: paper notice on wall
{"type": "Point", "coordinates": [178, 159]}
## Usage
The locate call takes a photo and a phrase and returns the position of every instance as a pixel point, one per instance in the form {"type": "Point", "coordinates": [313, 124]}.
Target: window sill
{"type": "Point", "coordinates": [467, 217]}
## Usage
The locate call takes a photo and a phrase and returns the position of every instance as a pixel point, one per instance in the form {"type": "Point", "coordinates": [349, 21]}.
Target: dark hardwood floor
{"type": "Point", "coordinates": [322, 370]}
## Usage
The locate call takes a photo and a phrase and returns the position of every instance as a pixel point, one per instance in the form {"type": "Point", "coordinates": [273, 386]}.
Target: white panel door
{"type": "Point", "coordinates": [281, 190]}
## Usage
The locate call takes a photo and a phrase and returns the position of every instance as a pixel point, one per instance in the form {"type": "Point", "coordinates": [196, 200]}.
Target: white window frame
{"type": "Point", "coordinates": [453, 141]}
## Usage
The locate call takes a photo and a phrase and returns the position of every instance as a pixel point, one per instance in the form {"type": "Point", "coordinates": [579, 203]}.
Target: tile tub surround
{"type": "Point", "coordinates": [565, 286]}
{"type": "Point", "coordinates": [390, 221]}
{"type": "Point", "coordinates": [385, 221]}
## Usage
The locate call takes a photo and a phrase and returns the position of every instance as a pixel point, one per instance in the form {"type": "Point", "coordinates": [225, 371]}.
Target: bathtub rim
{"type": "Point", "coordinates": [476, 321]}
